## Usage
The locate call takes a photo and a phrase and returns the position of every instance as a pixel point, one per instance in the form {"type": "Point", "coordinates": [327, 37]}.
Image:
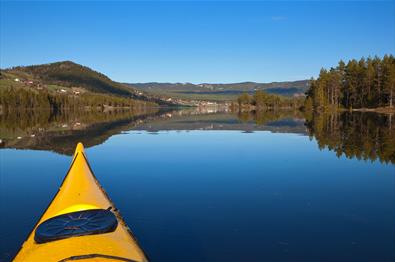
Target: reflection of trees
{"type": "Point", "coordinates": [363, 135]}
{"type": "Point", "coordinates": [60, 132]}
{"type": "Point", "coordinates": [261, 117]}
{"type": "Point", "coordinates": [29, 121]}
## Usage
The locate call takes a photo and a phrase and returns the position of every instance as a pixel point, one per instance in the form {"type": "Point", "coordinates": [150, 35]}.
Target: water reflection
{"type": "Point", "coordinates": [355, 135]}
{"type": "Point", "coordinates": [361, 135]}
{"type": "Point", "coordinates": [44, 130]}
{"type": "Point", "coordinates": [282, 122]}
{"type": "Point", "coordinates": [60, 132]}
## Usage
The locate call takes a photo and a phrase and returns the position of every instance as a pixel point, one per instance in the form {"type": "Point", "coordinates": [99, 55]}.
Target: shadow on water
{"type": "Point", "coordinates": [361, 135]}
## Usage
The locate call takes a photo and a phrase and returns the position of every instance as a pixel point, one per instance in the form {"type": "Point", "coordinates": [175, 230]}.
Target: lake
{"type": "Point", "coordinates": [200, 185]}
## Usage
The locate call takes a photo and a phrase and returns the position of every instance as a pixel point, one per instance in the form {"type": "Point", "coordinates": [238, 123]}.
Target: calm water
{"type": "Point", "coordinates": [215, 187]}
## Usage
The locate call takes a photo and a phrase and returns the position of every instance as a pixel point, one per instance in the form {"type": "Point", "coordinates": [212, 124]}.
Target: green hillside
{"type": "Point", "coordinates": [70, 74]}
{"type": "Point", "coordinates": [64, 85]}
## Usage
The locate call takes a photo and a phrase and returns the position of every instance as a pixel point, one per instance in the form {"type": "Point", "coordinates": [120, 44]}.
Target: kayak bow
{"type": "Point", "coordinates": [81, 223]}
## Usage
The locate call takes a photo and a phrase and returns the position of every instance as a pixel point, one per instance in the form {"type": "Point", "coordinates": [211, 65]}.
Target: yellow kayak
{"type": "Point", "coordinates": [81, 223]}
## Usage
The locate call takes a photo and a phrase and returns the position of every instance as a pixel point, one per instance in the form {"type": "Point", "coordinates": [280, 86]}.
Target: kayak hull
{"type": "Point", "coordinates": [81, 191]}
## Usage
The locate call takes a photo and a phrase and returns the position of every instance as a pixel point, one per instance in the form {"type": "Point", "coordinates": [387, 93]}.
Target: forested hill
{"type": "Point", "coordinates": [65, 85]}
{"type": "Point", "coordinates": [70, 74]}
{"type": "Point", "coordinates": [358, 84]}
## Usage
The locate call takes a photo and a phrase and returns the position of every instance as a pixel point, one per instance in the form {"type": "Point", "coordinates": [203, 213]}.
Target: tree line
{"type": "Point", "coordinates": [263, 101]}
{"type": "Point", "coordinates": [17, 98]}
{"type": "Point", "coordinates": [367, 83]}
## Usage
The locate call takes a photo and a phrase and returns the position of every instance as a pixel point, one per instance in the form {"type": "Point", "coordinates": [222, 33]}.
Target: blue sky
{"type": "Point", "coordinates": [196, 41]}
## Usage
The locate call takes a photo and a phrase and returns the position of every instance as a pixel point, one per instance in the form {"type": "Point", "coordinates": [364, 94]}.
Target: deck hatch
{"type": "Point", "coordinates": [80, 223]}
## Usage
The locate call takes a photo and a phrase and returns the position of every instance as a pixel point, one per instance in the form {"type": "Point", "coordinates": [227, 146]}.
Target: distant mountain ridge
{"type": "Point", "coordinates": [288, 88]}
{"type": "Point", "coordinates": [69, 77]}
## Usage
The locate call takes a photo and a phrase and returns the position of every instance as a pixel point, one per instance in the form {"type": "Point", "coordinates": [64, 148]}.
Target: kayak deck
{"type": "Point", "coordinates": [81, 191]}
